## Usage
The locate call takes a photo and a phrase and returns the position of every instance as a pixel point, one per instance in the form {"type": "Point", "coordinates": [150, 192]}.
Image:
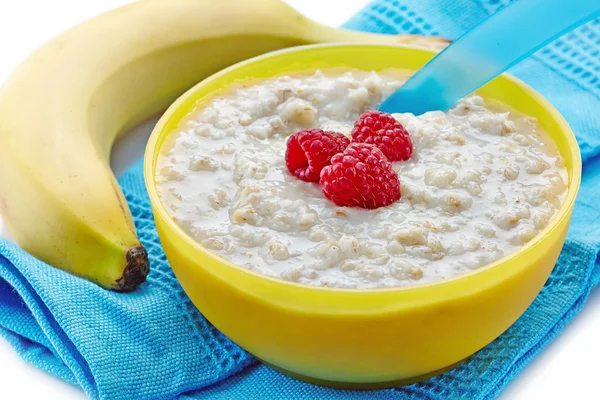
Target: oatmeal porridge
{"type": "Point", "coordinates": [482, 181]}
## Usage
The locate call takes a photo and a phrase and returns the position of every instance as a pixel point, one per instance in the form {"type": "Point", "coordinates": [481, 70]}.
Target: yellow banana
{"type": "Point", "coordinates": [63, 108]}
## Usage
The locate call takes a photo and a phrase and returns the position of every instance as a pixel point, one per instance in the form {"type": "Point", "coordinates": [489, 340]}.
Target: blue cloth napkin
{"type": "Point", "coordinates": [153, 344]}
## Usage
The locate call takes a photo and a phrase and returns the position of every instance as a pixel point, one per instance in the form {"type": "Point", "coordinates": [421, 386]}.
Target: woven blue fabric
{"type": "Point", "coordinates": [153, 344]}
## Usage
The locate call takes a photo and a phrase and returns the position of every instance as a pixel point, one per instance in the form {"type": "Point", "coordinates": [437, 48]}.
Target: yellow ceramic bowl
{"type": "Point", "coordinates": [371, 337]}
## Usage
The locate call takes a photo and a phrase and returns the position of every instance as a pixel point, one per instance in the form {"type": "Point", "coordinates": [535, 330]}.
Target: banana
{"type": "Point", "coordinates": [63, 108]}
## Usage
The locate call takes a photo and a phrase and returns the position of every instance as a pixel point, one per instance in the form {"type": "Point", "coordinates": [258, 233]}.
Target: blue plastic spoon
{"type": "Point", "coordinates": [487, 50]}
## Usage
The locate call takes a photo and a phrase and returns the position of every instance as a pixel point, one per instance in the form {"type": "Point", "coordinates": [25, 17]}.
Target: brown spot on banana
{"type": "Point", "coordinates": [3, 207]}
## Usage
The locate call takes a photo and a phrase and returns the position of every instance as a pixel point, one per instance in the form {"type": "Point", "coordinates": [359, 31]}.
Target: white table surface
{"type": "Point", "coordinates": [566, 369]}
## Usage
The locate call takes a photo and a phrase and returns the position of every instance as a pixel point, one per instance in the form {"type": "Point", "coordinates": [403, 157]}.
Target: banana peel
{"type": "Point", "coordinates": [64, 107]}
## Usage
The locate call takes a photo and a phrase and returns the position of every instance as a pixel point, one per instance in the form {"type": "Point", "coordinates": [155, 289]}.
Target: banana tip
{"type": "Point", "coordinates": [135, 271]}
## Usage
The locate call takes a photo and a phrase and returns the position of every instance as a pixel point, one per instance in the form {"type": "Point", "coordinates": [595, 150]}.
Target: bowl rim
{"type": "Point", "coordinates": [160, 208]}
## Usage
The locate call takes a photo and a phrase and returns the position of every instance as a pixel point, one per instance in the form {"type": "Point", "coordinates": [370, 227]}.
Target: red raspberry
{"type": "Point", "coordinates": [382, 130]}
{"type": "Point", "coordinates": [309, 150]}
{"type": "Point", "coordinates": [361, 176]}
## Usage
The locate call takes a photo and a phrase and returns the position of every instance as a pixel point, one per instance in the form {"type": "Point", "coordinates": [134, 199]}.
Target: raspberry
{"type": "Point", "coordinates": [361, 176]}
{"type": "Point", "coordinates": [382, 130]}
{"type": "Point", "coordinates": [309, 150]}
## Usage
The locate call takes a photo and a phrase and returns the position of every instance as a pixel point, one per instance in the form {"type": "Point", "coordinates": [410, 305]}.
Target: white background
{"type": "Point", "coordinates": [566, 369]}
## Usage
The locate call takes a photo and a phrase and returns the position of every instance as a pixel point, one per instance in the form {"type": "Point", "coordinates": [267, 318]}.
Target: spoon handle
{"type": "Point", "coordinates": [487, 50]}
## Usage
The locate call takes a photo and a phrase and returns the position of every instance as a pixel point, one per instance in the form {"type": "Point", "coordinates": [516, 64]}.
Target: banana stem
{"type": "Point", "coordinates": [322, 33]}
{"type": "Point", "coordinates": [318, 33]}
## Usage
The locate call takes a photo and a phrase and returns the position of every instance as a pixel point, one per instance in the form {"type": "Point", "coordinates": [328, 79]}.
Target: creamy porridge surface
{"type": "Point", "coordinates": [482, 182]}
